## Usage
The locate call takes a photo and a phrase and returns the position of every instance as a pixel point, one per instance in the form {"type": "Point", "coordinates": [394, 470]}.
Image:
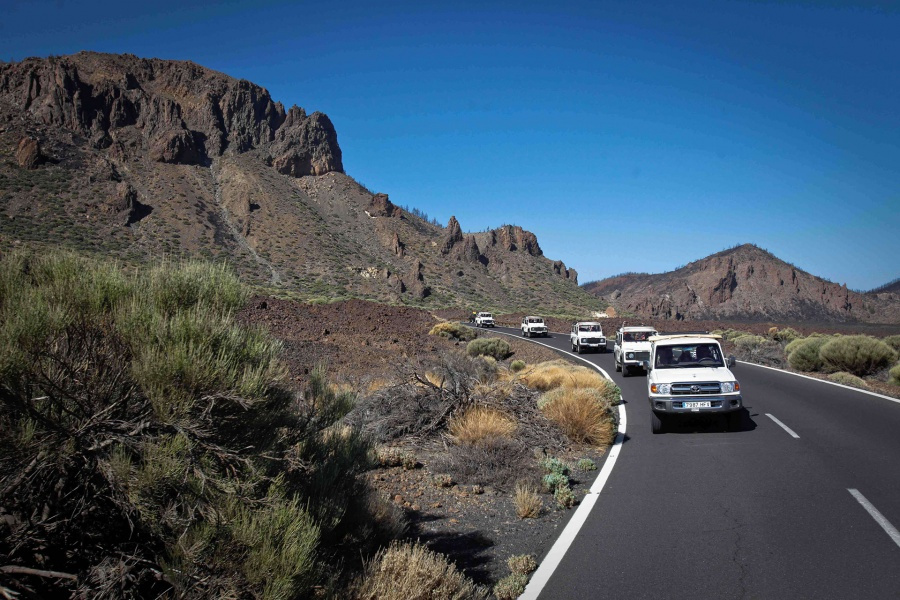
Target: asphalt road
{"type": "Point", "coordinates": [757, 513]}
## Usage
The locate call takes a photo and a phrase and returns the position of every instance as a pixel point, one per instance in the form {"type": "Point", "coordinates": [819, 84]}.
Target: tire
{"type": "Point", "coordinates": [578, 349]}
{"type": "Point", "coordinates": [626, 371]}
{"type": "Point", "coordinates": [734, 420]}
{"type": "Point", "coordinates": [618, 366]}
{"type": "Point", "coordinates": [656, 423]}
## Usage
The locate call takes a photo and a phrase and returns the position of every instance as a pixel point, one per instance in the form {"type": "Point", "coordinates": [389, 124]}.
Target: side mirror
{"type": "Point", "coordinates": [731, 362]}
{"type": "Point", "coordinates": [645, 364]}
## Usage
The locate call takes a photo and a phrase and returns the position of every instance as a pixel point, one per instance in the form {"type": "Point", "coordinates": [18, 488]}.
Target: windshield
{"type": "Point", "coordinates": [688, 356]}
{"type": "Point", "coordinates": [535, 320]}
{"type": "Point", "coordinates": [588, 328]}
{"type": "Point", "coordinates": [637, 336]}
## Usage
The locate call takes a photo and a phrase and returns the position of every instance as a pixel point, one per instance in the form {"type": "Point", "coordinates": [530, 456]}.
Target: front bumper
{"type": "Point", "coordinates": [673, 405]}
{"type": "Point", "coordinates": [592, 343]}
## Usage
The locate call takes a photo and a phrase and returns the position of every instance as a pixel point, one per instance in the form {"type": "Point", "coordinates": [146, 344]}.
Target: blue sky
{"type": "Point", "coordinates": [629, 136]}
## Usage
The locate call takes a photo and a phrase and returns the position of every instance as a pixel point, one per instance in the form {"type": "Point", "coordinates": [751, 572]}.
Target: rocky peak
{"type": "Point", "coordinates": [381, 206]}
{"type": "Point", "coordinates": [453, 237]}
{"type": "Point", "coordinates": [183, 113]}
{"type": "Point", "coordinates": [513, 238]}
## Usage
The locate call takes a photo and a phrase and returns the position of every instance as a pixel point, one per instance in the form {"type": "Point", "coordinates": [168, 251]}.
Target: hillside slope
{"type": "Point", "coordinates": [140, 158]}
{"type": "Point", "coordinates": [744, 282]}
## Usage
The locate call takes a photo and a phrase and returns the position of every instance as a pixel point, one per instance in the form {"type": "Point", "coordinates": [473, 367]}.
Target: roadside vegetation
{"type": "Point", "coordinates": [860, 361]}
{"type": "Point", "coordinates": [151, 449]}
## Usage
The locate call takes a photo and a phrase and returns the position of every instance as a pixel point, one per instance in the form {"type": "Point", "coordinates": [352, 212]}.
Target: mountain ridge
{"type": "Point", "coordinates": [745, 282]}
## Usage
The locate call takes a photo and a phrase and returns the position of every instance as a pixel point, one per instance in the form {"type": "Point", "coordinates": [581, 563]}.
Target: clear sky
{"type": "Point", "coordinates": [629, 135]}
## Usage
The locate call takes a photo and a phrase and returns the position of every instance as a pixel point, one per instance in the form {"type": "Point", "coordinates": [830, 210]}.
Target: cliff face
{"type": "Point", "coordinates": [142, 158]}
{"type": "Point", "coordinates": [743, 283]}
{"type": "Point", "coordinates": [177, 112]}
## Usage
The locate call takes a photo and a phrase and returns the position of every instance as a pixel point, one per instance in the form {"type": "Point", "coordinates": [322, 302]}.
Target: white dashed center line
{"type": "Point", "coordinates": [879, 518]}
{"type": "Point", "coordinates": [783, 426]}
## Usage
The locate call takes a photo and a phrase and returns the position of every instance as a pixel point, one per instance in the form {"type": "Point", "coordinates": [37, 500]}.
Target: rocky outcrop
{"type": "Point", "coordinates": [560, 269]}
{"type": "Point", "coordinates": [514, 238]}
{"type": "Point", "coordinates": [184, 113]}
{"type": "Point", "coordinates": [417, 286]}
{"type": "Point", "coordinates": [28, 153]}
{"type": "Point", "coordinates": [453, 237]}
{"type": "Point", "coordinates": [126, 206]}
{"type": "Point", "coordinates": [381, 206]}
{"type": "Point", "coordinates": [398, 247]}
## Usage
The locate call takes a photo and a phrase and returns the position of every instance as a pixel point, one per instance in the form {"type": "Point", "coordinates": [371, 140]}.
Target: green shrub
{"type": "Point", "coordinates": [894, 375]}
{"type": "Point", "coordinates": [136, 412]}
{"type": "Point", "coordinates": [793, 345]}
{"type": "Point", "coordinates": [564, 495]}
{"type": "Point", "coordinates": [848, 379]}
{"type": "Point", "coordinates": [893, 341]}
{"type": "Point", "coordinates": [553, 481]}
{"type": "Point", "coordinates": [517, 365]}
{"type": "Point", "coordinates": [493, 347]}
{"type": "Point", "coordinates": [523, 564]}
{"type": "Point", "coordinates": [857, 354]}
{"type": "Point", "coordinates": [453, 331]}
{"type": "Point", "coordinates": [787, 334]}
{"type": "Point", "coordinates": [748, 341]}
{"type": "Point", "coordinates": [586, 464]}
{"type": "Point", "coordinates": [805, 356]}
{"type": "Point", "coordinates": [551, 464]}
{"type": "Point", "coordinates": [511, 587]}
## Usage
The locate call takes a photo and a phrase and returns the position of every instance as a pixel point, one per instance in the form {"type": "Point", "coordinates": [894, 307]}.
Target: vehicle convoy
{"type": "Point", "coordinates": [532, 326]}
{"type": "Point", "coordinates": [484, 319]}
{"type": "Point", "coordinates": [587, 335]}
{"type": "Point", "coordinates": [632, 348]}
{"type": "Point", "coordinates": [687, 374]}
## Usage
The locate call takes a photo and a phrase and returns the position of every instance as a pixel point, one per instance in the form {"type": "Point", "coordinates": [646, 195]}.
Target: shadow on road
{"type": "Point", "coordinates": [710, 424]}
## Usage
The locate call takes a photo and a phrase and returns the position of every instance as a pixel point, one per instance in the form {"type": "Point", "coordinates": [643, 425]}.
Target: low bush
{"type": "Point", "coordinates": [559, 373]}
{"type": "Point", "coordinates": [517, 365]}
{"type": "Point", "coordinates": [893, 341]}
{"type": "Point", "coordinates": [805, 355]}
{"type": "Point", "coordinates": [497, 462]}
{"type": "Point", "coordinates": [857, 354]}
{"type": "Point", "coordinates": [748, 342]}
{"type": "Point", "coordinates": [405, 570]}
{"type": "Point", "coordinates": [527, 501]}
{"type": "Point", "coordinates": [894, 375]}
{"type": "Point", "coordinates": [564, 496]}
{"type": "Point", "coordinates": [848, 379]}
{"type": "Point", "coordinates": [511, 587]}
{"type": "Point", "coordinates": [586, 464]}
{"type": "Point", "coordinates": [584, 415]}
{"type": "Point", "coordinates": [453, 331]}
{"type": "Point", "coordinates": [524, 564]}
{"type": "Point", "coordinates": [552, 481]}
{"type": "Point", "coordinates": [794, 344]}
{"type": "Point", "coordinates": [493, 347]}
{"type": "Point", "coordinates": [551, 464]}
{"type": "Point", "coordinates": [478, 424]}
{"type": "Point", "coordinates": [155, 437]}
{"type": "Point", "coordinates": [788, 334]}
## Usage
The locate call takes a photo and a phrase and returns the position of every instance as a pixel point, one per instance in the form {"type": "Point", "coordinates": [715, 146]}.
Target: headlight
{"type": "Point", "coordinates": [661, 388]}
{"type": "Point", "coordinates": [629, 355]}
{"type": "Point", "coordinates": [730, 386]}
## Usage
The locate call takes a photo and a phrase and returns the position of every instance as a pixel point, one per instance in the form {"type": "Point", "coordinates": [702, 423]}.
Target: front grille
{"type": "Point", "coordinates": [592, 340]}
{"type": "Point", "coordinates": [637, 356]}
{"type": "Point", "coordinates": [694, 389]}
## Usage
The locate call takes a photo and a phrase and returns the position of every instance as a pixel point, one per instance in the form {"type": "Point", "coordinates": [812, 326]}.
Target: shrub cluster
{"type": "Point", "coordinates": [453, 331]}
{"type": "Point", "coordinates": [857, 354]}
{"type": "Point", "coordinates": [803, 355]}
{"type": "Point", "coordinates": [493, 347]}
{"type": "Point", "coordinates": [148, 447]}
{"type": "Point", "coordinates": [894, 374]}
{"type": "Point", "coordinates": [848, 379]}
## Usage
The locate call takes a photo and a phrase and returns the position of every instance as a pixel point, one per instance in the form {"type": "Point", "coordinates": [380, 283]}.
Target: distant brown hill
{"type": "Point", "coordinates": [141, 158]}
{"type": "Point", "coordinates": [745, 282]}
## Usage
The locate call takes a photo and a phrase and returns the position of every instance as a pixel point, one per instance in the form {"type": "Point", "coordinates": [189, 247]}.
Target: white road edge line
{"type": "Point", "coordinates": [879, 518]}
{"type": "Point", "coordinates": [846, 387]}
{"type": "Point", "coordinates": [783, 426]}
{"type": "Point", "coordinates": [540, 577]}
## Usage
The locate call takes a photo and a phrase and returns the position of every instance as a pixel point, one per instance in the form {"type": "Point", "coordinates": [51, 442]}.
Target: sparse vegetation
{"type": "Point", "coordinates": [559, 373]}
{"type": "Point", "coordinates": [511, 587]}
{"type": "Point", "coordinates": [493, 347]}
{"type": "Point", "coordinates": [856, 354]}
{"type": "Point", "coordinates": [480, 424]}
{"type": "Point", "coordinates": [586, 464]}
{"type": "Point", "coordinates": [155, 438]}
{"type": "Point", "coordinates": [517, 365]}
{"type": "Point", "coordinates": [894, 375]}
{"type": "Point", "coordinates": [848, 379]}
{"type": "Point", "coordinates": [524, 564]}
{"type": "Point", "coordinates": [584, 414]}
{"type": "Point", "coordinates": [407, 570]}
{"type": "Point", "coordinates": [893, 341]}
{"type": "Point", "coordinates": [527, 501]}
{"type": "Point", "coordinates": [454, 331]}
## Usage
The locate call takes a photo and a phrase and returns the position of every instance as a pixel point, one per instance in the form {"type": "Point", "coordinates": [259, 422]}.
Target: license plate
{"type": "Point", "coordinates": [697, 405]}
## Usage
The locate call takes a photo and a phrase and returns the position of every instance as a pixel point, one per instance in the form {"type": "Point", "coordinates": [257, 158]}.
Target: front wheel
{"type": "Point", "coordinates": [618, 366]}
{"type": "Point", "coordinates": [656, 423]}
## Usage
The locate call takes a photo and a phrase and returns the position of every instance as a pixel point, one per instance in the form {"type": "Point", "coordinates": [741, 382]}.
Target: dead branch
{"type": "Point", "coordinates": [16, 570]}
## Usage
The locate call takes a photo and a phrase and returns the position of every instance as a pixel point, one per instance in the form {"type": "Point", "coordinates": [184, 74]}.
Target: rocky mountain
{"type": "Point", "coordinates": [745, 282]}
{"type": "Point", "coordinates": [144, 158]}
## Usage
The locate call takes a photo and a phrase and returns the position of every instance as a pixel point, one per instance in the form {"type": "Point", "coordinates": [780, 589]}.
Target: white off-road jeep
{"type": "Point", "coordinates": [484, 319]}
{"type": "Point", "coordinates": [532, 326]}
{"type": "Point", "coordinates": [632, 348]}
{"type": "Point", "coordinates": [587, 335]}
{"type": "Point", "coordinates": [687, 374]}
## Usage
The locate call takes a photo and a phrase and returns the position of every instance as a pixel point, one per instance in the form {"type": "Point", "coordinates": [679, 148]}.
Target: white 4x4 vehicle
{"type": "Point", "coordinates": [532, 326]}
{"type": "Point", "coordinates": [587, 334]}
{"type": "Point", "coordinates": [687, 374]}
{"type": "Point", "coordinates": [632, 348]}
{"type": "Point", "coordinates": [484, 319]}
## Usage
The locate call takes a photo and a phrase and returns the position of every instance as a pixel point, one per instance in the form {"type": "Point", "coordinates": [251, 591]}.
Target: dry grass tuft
{"type": "Point", "coordinates": [409, 570]}
{"type": "Point", "coordinates": [527, 501]}
{"type": "Point", "coordinates": [559, 373]}
{"type": "Point", "coordinates": [478, 424]}
{"type": "Point", "coordinates": [583, 415]}
{"type": "Point", "coordinates": [435, 379]}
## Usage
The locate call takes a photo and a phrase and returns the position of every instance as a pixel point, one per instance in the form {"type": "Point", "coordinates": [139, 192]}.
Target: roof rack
{"type": "Point", "coordinates": [683, 333]}
{"type": "Point", "coordinates": [672, 336]}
